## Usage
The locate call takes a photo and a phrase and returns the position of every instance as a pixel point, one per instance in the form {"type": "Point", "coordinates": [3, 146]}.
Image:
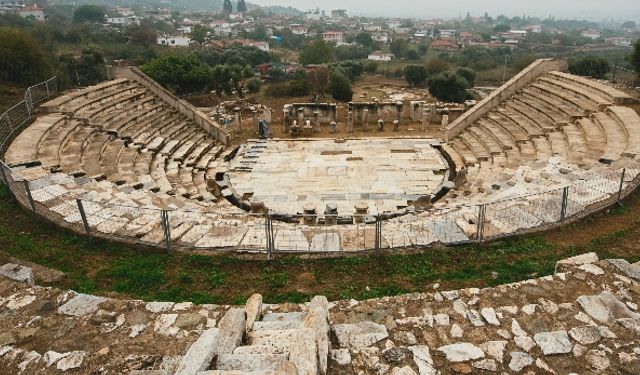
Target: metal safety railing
{"type": "Point", "coordinates": [272, 233]}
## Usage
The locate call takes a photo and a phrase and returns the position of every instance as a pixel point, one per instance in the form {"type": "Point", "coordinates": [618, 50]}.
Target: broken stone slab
{"type": "Point", "coordinates": [341, 356]}
{"type": "Point", "coordinates": [359, 335]}
{"type": "Point", "coordinates": [577, 260]}
{"type": "Point", "coordinates": [17, 272]}
{"type": "Point", "coordinates": [200, 353]}
{"type": "Point", "coordinates": [232, 328]}
{"type": "Point", "coordinates": [626, 268]}
{"type": "Point", "coordinates": [489, 314]}
{"type": "Point", "coordinates": [81, 305]}
{"type": "Point", "coordinates": [519, 361]}
{"type": "Point", "coordinates": [157, 307]}
{"type": "Point", "coordinates": [255, 362]}
{"type": "Point", "coordinates": [461, 352]}
{"type": "Point", "coordinates": [423, 360]}
{"type": "Point", "coordinates": [253, 309]}
{"type": "Point", "coordinates": [586, 335]}
{"type": "Point", "coordinates": [406, 370]}
{"type": "Point", "coordinates": [71, 361]}
{"type": "Point", "coordinates": [494, 349]}
{"type": "Point", "coordinates": [304, 353]}
{"type": "Point", "coordinates": [318, 320]}
{"type": "Point", "coordinates": [556, 342]}
{"type": "Point", "coordinates": [605, 308]}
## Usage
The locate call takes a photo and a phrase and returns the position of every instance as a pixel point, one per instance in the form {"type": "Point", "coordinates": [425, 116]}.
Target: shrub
{"type": "Point", "coordinates": [592, 66]}
{"type": "Point", "coordinates": [254, 85]}
{"type": "Point", "coordinates": [371, 67]}
{"type": "Point", "coordinates": [468, 74]}
{"type": "Point", "coordinates": [448, 87]}
{"type": "Point", "coordinates": [288, 89]}
{"type": "Point", "coordinates": [437, 66]}
{"type": "Point", "coordinates": [415, 74]}
{"type": "Point", "coordinates": [340, 86]}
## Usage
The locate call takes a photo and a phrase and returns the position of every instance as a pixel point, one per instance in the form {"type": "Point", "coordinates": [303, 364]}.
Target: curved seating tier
{"type": "Point", "coordinates": [129, 156]}
{"type": "Point", "coordinates": [560, 130]}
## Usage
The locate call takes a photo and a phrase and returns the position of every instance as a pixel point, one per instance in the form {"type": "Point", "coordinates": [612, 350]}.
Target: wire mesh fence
{"type": "Point", "coordinates": [271, 233]}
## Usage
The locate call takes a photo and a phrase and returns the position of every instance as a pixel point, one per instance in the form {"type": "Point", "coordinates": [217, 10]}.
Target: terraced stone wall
{"type": "Point", "coordinates": [522, 79]}
{"type": "Point", "coordinates": [182, 106]}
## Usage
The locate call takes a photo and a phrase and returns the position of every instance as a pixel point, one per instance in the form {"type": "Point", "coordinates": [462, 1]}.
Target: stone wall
{"type": "Point", "coordinates": [583, 319]}
{"type": "Point", "coordinates": [327, 112]}
{"type": "Point", "coordinates": [387, 111]}
{"type": "Point", "coordinates": [182, 106]}
{"type": "Point", "coordinates": [525, 77]}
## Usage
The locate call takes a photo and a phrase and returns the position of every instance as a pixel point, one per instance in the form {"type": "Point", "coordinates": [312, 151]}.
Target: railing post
{"type": "Point", "coordinates": [267, 233]}
{"type": "Point", "coordinates": [28, 190]}
{"type": "Point", "coordinates": [480, 228]}
{"type": "Point", "coordinates": [166, 229]}
{"type": "Point", "coordinates": [378, 241]}
{"type": "Point", "coordinates": [46, 86]}
{"type": "Point", "coordinates": [565, 203]}
{"type": "Point", "coordinates": [28, 100]}
{"type": "Point", "coordinates": [619, 200]}
{"type": "Point", "coordinates": [83, 215]}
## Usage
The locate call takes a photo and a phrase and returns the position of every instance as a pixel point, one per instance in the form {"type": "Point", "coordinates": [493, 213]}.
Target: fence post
{"type": "Point", "coordinates": [378, 231]}
{"type": "Point", "coordinates": [46, 86]}
{"type": "Point", "coordinates": [565, 203]}
{"type": "Point", "coordinates": [480, 228]}
{"type": "Point", "coordinates": [267, 233]}
{"type": "Point", "coordinates": [83, 215]}
{"type": "Point", "coordinates": [28, 190]}
{"type": "Point", "coordinates": [166, 229]}
{"type": "Point", "coordinates": [28, 100]}
{"type": "Point", "coordinates": [619, 200]}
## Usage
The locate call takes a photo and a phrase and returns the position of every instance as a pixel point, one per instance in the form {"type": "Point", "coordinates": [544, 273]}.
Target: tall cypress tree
{"type": "Point", "coordinates": [242, 7]}
{"type": "Point", "coordinates": [227, 7]}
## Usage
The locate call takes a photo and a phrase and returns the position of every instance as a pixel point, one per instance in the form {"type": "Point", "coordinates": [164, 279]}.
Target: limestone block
{"type": "Point", "coordinates": [461, 352]}
{"type": "Point", "coordinates": [253, 310]}
{"type": "Point", "coordinates": [359, 335]}
{"type": "Point", "coordinates": [556, 342]}
{"type": "Point", "coordinates": [17, 272]}
{"type": "Point", "coordinates": [81, 305]}
{"type": "Point", "coordinates": [200, 354]}
{"type": "Point", "coordinates": [232, 328]}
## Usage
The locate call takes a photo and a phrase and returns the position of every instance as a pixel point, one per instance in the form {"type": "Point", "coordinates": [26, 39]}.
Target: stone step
{"type": "Point", "coordinates": [247, 362]}
{"type": "Point", "coordinates": [278, 325]}
{"type": "Point", "coordinates": [290, 316]}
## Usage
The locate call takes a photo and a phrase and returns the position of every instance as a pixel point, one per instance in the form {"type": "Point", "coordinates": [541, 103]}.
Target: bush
{"type": "Point", "coordinates": [415, 74]}
{"type": "Point", "coordinates": [180, 74]}
{"type": "Point", "coordinates": [591, 66]}
{"type": "Point", "coordinates": [254, 85]}
{"type": "Point", "coordinates": [371, 67]}
{"type": "Point", "coordinates": [340, 86]}
{"type": "Point", "coordinates": [412, 54]}
{"type": "Point", "coordinates": [448, 87]}
{"type": "Point", "coordinates": [468, 74]}
{"type": "Point", "coordinates": [288, 89]}
{"type": "Point", "coordinates": [317, 52]}
{"type": "Point", "coordinates": [21, 59]}
{"type": "Point", "coordinates": [437, 66]}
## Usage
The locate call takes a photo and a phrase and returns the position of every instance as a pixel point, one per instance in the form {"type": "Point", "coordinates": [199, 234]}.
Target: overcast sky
{"type": "Point", "coordinates": [583, 9]}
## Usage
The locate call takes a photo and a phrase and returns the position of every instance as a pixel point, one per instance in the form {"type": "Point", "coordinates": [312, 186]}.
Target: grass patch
{"type": "Point", "coordinates": [100, 267]}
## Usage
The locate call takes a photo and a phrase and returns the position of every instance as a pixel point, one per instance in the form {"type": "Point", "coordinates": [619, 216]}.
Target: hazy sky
{"type": "Point", "coordinates": [585, 9]}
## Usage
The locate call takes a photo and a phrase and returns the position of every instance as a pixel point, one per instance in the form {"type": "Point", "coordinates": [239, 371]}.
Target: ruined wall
{"type": "Point", "coordinates": [582, 319]}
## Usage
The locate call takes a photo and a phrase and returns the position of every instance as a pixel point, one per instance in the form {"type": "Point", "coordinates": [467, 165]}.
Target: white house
{"type": "Point", "coordinates": [174, 41]}
{"type": "Point", "coordinates": [379, 56]}
{"type": "Point", "coordinates": [32, 11]}
{"type": "Point", "coordinates": [448, 33]}
{"type": "Point", "coordinates": [333, 37]}
{"type": "Point", "coordinates": [591, 34]}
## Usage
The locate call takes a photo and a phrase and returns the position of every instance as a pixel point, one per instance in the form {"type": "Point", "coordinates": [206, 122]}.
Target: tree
{"type": "Point", "coordinates": [468, 74]}
{"type": "Point", "coordinates": [448, 87]}
{"type": "Point", "coordinates": [89, 13]}
{"type": "Point", "coordinates": [423, 48]}
{"type": "Point", "coordinates": [239, 76]}
{"type": "Point", "coordinates": [221, 80]}
{"type": "Point", "coordinates": [501, 28]}
{"type": "Point", "coordinates": [242, 7]}
{"type": "Point", "coordinates": [415, 74]}
{"type": "Point", "coordinates": [591, 66]}
{"type": "Point", "coordinates": [371, 67]}
{"type": "Point", "coordinates": [340, 86]}
{"type": "Point", "coordinates": [628, 25]}
{"type": "Point", "coordinates": [254, 85]}
{"type": "Point", "coordinates": [318, 80]}
{"type": "Point", "coordinates": [635, 56]}
{"type": "Point", "coordinates": [317, 52]}
{"type": "Point", "coordinates": [144, 35]}
{"type": "Point", "coordinates": [21, 59]}
{"type": "Point", "coordinates": [412, 55]}
{"type": "Point", "coordinates": [364, 39]}
{"type": "Point", "coordinates": [399, 47]}
{"type": "Point", "coordinates": [180, 74]}
{"type": "Point", "coordinates": [437, 66]}
{"type": "Point", "coordinates": [227, 7]}
{"type": "Point", "coordinates": [199, 34]}
{"type": "Point", "coordinates": [259, 33]}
